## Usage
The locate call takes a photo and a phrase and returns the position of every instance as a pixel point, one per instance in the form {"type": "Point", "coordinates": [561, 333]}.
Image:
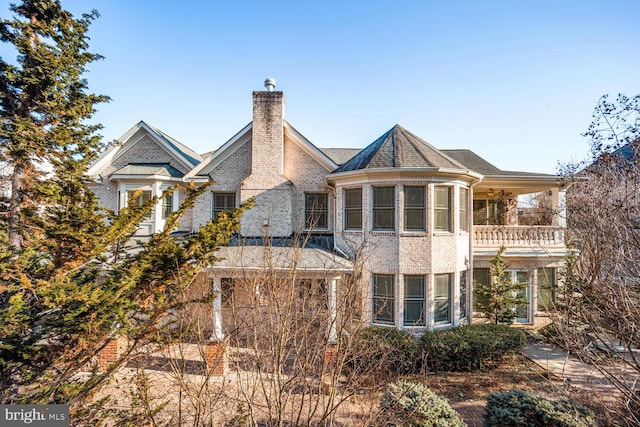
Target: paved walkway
{"type": "Point", "coordinates": [573, 372]}
{"type": "Point", "coordinates": [576, 375]}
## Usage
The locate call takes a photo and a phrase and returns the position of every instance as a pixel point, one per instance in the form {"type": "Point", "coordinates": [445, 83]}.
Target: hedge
{"type": "Point", "coordinates": [470, 347]}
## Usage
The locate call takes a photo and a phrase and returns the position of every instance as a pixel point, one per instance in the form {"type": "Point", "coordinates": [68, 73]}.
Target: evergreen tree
{"type": "Point", "coordinates": [62, 293]}
{"type": "Point", "coordinates": [43, 108]}
{"type": "Point", "coordinates": [501, 294]}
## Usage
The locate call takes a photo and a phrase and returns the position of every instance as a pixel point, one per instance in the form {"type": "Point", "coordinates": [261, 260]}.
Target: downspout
{"type": "Point", "coordinates": [335, 218]}
{"type": "Point", "coordinates": [471, 240]}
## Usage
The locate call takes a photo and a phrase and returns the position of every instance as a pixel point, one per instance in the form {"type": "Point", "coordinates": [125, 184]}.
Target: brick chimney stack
{"type": "Point", "coordinates": [267, 135]}
{"type": "Point", "coordinates": [273, 193]}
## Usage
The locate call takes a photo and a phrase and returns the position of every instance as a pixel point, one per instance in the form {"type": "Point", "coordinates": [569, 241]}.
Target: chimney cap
{"type": "Point", "coordinates": [270, 84]}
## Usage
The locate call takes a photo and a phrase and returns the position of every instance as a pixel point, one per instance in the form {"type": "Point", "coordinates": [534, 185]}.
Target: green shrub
{"type": "Point", "coordinates": [523, 408]}
{"type": "Point", "coordinates": [383, 351]}
{"type": "Point", "coordinates": [409, 404]}
{"type": "Point", "coordinates": [470, 347]}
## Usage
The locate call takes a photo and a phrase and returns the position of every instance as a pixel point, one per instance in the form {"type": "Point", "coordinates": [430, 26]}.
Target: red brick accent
{"type": "Point", "coordinates": [214, 358]}
{"type": "Point", "coordinates": [111, 352]}
{"type": "Point", "coordinates": [330, 354]}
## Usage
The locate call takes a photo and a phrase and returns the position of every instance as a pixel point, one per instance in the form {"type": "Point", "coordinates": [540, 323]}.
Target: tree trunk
{"type": "Point", "coordinates": [15, 207]}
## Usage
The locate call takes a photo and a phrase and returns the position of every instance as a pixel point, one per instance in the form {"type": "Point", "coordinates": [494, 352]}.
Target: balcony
{"type": "Point", "coordinates": [518, 236]}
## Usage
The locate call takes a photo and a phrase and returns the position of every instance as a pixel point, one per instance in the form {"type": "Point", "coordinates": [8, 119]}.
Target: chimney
{"type": "Point", "coordinates": [272, 214]}
{"type": "Point", "coordinates": [267, 135]}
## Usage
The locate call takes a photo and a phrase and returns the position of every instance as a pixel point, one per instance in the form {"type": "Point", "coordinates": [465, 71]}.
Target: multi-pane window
{"type": "Point", "coordinates": [414, 300]}
{"type": "Point", "coordinates": [481, 276]}
{"type": "Point", "coordinates": [353, 209]}
{"type": "Point", "coordinates": [384, 208]}
{"type": "Point", "coordinates": [226, 290]}
{"type": "Point", "coordinates": [383, 298]}
{"type": "Point", "coordinates": [442, 209]}
{"type": "Point", "coordinates": [463, 293]}
{"type": "Point", "coordinates": [139, 198]}
{"type": "Point", "coordinates": [316, 211]}
{"type": "Point", "coordinates": [523, 310]}
{"type": "Point", "coordinates": [223, 202]}
{"type": "Point", "coordinates": [488, 212]}
{"type": "Point", "coordinates": [442, 299]}
{"type": "Point", "coordinates": [546, 289]}
{"type": "Point", "coordinates": [414, 208]}
{"type": "Point", "coordinates": [464, 209]}
{"type": "Point", "coordinates": [167, 205]}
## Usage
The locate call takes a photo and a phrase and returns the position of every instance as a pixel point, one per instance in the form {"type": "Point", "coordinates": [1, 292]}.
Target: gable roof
{"type": "Point", "coordinates": [399, 148]}
{"type": "Point", "coordinates": [216, 157]}
{"type": "Point", "coordinates": [187, 152]}
{"type": "Point", "coordinates": [179, 151]}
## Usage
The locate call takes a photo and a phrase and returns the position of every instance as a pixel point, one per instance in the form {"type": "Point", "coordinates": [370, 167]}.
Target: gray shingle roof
{"type": "Point", "coordinates": [259, 258]}
{"type": "Point", "coordinates": [476, 163]}
{"type": "Point", "coordinates": [146, 169]}
{"type": "Point", "coordinates": [340, 155]}
{"type": "Point", "coordinates": [399, 148]}
{"type": "Point", "coordinates": [187, 152]}
{"type": "Point", "coordinates": [472, 161]}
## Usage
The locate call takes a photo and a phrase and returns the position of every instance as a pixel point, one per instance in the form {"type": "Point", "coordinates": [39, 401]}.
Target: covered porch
{"type": "Point", "coordinates": [519, 211]}
{"type": "Point", "coordinates": [287, 305]}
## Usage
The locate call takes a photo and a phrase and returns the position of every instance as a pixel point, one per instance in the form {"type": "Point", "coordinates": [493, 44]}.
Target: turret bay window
{"type": "Point", "coordinates": [384, 209]}
{"type": "Point", "coordinates": [464, 209]}
{"type": "Point", "coordinates": [414, 287]}
{"type": "Point", "coordinates": [442, 209]}
{"type": "Point", "coordinates": [383, 298]}
{"type": "Point", "coordinates": [353, 209]}
{"type": "Point", "coordinates": [316, 211]}
{"type": "Point", "coordinates": [414, 208]}
{"type": "Point", "coordinates": [442, 299]}
{"type": "Point", "coordinates": [223, 202]}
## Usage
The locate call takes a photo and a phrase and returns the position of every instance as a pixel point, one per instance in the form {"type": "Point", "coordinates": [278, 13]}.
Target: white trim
{"type": "Point", "coordinates": [308, 147]}
{"type": "Point", "coordinates": [124, 177]}
{"type": "Point", "coordinates": [221, 154]}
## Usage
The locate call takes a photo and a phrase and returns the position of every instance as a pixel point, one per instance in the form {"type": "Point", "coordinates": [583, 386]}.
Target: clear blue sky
{"type": "Point", "coordinates": [514, 81]}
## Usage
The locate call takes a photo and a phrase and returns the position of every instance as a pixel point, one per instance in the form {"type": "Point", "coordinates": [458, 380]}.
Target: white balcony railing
{"type": "Point", "coordinates": [522, 235]}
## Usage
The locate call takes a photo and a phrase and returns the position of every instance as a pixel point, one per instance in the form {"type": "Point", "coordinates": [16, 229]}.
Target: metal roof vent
{"type": "Point", "coordinates": [270, 84]}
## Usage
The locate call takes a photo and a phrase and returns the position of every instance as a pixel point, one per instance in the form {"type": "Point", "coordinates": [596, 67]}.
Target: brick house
{"type": "Point", "coordinates": [425, 221]}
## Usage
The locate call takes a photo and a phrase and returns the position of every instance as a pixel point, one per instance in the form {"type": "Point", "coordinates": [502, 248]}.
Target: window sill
{"type": "Point", "coordinates": [384, 232]}
{"type": "Point", "coordinates": [387, 325]}
{"type": "Point", "coordinates": [442, 326]}
{"type": "Point", "coordinates": [316, 230]}
{"type": "Point", "coordinates": [414, 234]}
{"type": "Point", "coordinates": [352, 231]}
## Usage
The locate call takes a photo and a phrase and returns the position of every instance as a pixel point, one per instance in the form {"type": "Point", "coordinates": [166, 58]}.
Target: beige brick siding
{"type": "Point", "coordinates": [307, 176]}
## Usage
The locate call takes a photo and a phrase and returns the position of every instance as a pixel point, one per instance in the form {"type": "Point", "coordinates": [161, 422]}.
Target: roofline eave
{"type": "Point", "coordinates": [125, 177]}
{"type": "Point", "coordinates": [475, 176]}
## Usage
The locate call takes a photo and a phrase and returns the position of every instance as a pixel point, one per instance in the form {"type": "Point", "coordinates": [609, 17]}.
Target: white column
{"type": "Point", "coordinates": [158, 222]}
{"type": "Point", "coordinates": [559, 206]}
{"type": "Point", "coordinates": [333, 313]}
{"type": "Point", "coordinates": [217, 334]}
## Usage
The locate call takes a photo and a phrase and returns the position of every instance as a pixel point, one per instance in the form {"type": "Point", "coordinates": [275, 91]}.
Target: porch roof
{"type": "Point", "coordinates": [278, 258]}
{"type": "Point", "coordinates": [148, 169]}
